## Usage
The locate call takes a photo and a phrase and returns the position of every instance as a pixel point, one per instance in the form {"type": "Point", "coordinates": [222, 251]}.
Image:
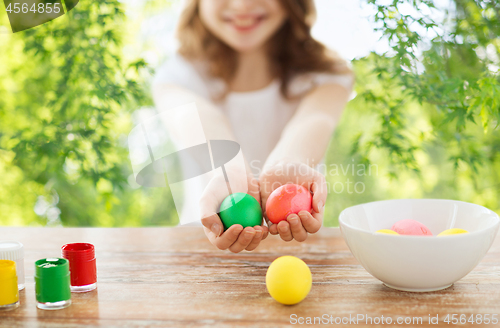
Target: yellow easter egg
{"type": "Point", "coordinates": [288, 280]}
{"type": "Point", "coordinates": [453, 231]}
{"type": "Point", "coordinates": [387, 231]}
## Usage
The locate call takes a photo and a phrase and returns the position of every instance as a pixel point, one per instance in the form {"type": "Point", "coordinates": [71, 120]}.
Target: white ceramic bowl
{"type": "Point", "coordinates": [419, 263]}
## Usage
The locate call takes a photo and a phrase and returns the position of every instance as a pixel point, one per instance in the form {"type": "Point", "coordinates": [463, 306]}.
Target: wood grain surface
{"type": "Point", "coordinates": [173, 277]}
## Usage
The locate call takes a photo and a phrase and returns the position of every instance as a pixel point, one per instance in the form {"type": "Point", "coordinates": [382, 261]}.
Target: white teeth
{"type": "Point", "coordinates": [244, 22]}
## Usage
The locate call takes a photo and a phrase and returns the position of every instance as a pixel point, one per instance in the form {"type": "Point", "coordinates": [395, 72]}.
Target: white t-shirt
{"type": "Point", "coordinates": [258, 117]}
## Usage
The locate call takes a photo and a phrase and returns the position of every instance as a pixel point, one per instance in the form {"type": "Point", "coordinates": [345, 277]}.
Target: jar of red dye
{"type": "Point", "coordinates": [82, 266]}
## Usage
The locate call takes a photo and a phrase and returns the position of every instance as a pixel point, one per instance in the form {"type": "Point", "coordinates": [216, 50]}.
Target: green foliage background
{"type": "Point", "coordinates": [425, 116]}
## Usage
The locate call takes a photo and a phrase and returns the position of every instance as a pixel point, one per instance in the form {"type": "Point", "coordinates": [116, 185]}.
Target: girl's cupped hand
{"type": "Point", "coordinates": [296, 226]}
{"type": "Point", "coordinates": [235, 238]}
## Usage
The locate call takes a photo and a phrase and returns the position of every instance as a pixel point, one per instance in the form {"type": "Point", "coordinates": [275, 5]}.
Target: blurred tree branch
{"type": "Point", "coordinates": [452, 68]}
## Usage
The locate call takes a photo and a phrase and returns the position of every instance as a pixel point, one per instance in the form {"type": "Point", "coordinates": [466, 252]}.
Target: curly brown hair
{"type": "Point", "coordinates": [292, 49]}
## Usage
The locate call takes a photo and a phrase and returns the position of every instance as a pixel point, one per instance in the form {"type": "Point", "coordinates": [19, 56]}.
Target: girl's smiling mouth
{"type": "Point", "coordinates": [244, 23]}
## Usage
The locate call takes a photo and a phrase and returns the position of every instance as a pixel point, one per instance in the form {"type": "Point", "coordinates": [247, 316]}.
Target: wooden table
{"type": "Point", "coordinates": [173, 277]}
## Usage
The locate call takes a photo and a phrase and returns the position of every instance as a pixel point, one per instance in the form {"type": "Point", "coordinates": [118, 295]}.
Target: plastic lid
{"type": "Point", "coordinates": [82, 263]}
{"type": "Point", "coordinates": [11, 250]}
{"type": "Point", "coordinates": [52, 280]}
{"type": "Point", "coordinates": [7, 269]}
{"type": "Point", "coordinates": [78, 252]}
{"type": "Point", "coordinates": [51, 267]}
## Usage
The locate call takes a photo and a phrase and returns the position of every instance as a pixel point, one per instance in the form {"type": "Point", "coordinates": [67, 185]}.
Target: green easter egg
{"type": "Point", "coordinates": [240, 208]}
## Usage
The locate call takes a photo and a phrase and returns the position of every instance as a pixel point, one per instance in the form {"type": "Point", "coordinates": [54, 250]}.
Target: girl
{"type": "Point", "coordinates": [259, 78]}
